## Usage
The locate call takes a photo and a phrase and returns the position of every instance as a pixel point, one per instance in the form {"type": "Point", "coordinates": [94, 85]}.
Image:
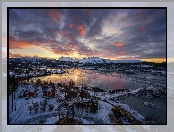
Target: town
{"type": "Point", "coordinates": [33, 100]}
{"type": "Point", "coordinates": [30, 67]}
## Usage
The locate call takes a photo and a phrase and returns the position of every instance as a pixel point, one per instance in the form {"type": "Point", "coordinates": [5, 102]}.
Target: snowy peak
{"type": "Point", "coordinates": [97, 60]}
{"type": "Point", "coordinates": [67, 59]}
{"type": "Point", "coordinates": [93, 60]}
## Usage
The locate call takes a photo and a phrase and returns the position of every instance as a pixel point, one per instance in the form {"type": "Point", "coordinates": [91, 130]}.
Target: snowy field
{"type": "Point", "coordinates": [24, 111]}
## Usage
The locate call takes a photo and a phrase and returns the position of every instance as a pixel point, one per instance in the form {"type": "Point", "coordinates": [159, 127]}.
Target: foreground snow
{"type": "Point", "coordinates": [21, 113]}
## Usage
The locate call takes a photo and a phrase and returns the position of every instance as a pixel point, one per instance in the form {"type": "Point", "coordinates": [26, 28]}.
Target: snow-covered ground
{"type": "Point", "coordinates": [21, 113]}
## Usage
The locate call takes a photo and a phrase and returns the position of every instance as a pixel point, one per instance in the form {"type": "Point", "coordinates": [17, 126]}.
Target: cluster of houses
{"type": "Point", "coordinates": [34, 92]}
{"type": "Point", "coordinates": [28, 93]}
{"type": "Point", "coordinates": [48, 92]}
{"type": "Point", "coordinates": [86, 103]}
{"type": "Point", "coordinates": [150, 92]}
{"type": "Point", "coordinates": [85, 99]}
{"type": "Point", "coordinates": [23, 73]}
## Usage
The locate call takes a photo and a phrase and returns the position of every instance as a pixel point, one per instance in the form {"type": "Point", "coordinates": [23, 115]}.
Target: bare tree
{"type": "Point", "coordinates": [13, 85]}
{"type": "Point", "coordinates": [71, 83]}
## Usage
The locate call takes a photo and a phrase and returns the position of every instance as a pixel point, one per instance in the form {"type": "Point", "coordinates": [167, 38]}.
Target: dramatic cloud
{"type": "Point", "coordinates": [55, 15]}
{"type": "Point", "coordinates": [82, 30]}
{"type": "Point", "coordinates": [19, 44]}
{"type": "Point", "coordinates": [118, 44]}
{"type": "Point", "coordinates": [108, 33]}
{"type": "Point", "coordinates": [71, 25]}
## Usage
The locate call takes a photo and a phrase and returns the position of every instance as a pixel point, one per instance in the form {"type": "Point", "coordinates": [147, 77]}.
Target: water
{"type": "Point", "coordinates": [155, 113]}
{"type": "Point", "coordinates": [105, 80]}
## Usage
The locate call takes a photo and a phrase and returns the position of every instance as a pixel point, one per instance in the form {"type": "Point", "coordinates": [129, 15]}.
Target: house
{"type": "Point", "coordinates": [49, 92]}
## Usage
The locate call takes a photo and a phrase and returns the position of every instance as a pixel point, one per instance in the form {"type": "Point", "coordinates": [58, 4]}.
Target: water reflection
{"type": "Point", "coordinates": [106, 81]}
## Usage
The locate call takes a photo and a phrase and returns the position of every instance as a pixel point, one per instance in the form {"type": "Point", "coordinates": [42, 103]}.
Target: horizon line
{"type": "Point", "coordinates": [57, 58]}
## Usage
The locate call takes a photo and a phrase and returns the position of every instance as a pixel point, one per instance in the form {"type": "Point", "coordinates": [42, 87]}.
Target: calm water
{"type": "Point", "coordinates": [156, 113]}
{"type": "Point", "coordinates": [106, 81]}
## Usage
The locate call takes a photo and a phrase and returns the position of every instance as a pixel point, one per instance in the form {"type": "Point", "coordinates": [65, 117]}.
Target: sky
{"type": "Point", "coordinates": [77, 33]}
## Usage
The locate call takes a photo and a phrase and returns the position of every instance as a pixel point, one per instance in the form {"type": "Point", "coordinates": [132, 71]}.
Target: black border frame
{"type": "Point", "coordinates": [8, 8]}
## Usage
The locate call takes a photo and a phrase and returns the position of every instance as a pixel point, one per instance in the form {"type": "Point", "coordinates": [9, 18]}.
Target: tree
{"type": "Point", "coordinates": [13, 85]}
{"type": "Point", "coordinates": [51, 83]}
{"type": "Point", "coordinates": [71, 83]}
{"type": "Point", "coordinates": [38, 82]}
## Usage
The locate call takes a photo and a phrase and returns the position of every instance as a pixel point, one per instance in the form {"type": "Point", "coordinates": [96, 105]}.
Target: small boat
{"type": "Point", "coordinates": [149, 104]}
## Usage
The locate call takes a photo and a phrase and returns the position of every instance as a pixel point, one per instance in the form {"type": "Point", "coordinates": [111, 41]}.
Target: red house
{"type": "Point", "coordinates": [31, 94]}
{"type": "Point", "coordinates": [48, 93]}
{"type": "Point", "coordinates": [20, 96]}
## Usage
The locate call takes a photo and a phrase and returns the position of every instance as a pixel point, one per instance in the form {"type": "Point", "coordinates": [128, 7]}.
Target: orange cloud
{"type": "Point", "coordinates": [111, 57]}
{"type": "Point", "coordinates": [82, 30]}
{"type": "Point", "coordinates": [122, 52]}
{"type": "Point", "coordinates": [19, 44]}
{"type": "Point", "coordinates": [71, 25]}
{"type": "Point", "coordinates": [48, 41]}
{"type": "Point", "coordinates": [14, 55]}
{"type": "Point", "coordinates": [118, 44]}
{"type": "Point", "coordinates": [95, 54]}
{"type": "Point", "coordinates": [142, 29]}
{"type": "Point", "coordinates": [62, 53]}
{"type": "Point", "coordinates": [69, 46]}
{"type": "Point", "coordinates": [54, 15]}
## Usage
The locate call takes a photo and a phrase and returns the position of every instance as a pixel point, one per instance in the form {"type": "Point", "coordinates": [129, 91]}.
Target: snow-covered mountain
{"type": "Point", "coordinates": [67, 59]}
{"type": "Point", "coordinates": [93, 60]}
{"type": "Point", "coordinates": [97, 60]}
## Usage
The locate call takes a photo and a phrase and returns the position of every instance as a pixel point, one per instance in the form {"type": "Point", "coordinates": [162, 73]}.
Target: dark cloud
{"type": "Point", "coordinates": [129, 32]}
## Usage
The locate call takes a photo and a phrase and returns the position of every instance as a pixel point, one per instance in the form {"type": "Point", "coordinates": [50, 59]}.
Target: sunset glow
{"type": "Point", "coordinates": [77, 33]}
